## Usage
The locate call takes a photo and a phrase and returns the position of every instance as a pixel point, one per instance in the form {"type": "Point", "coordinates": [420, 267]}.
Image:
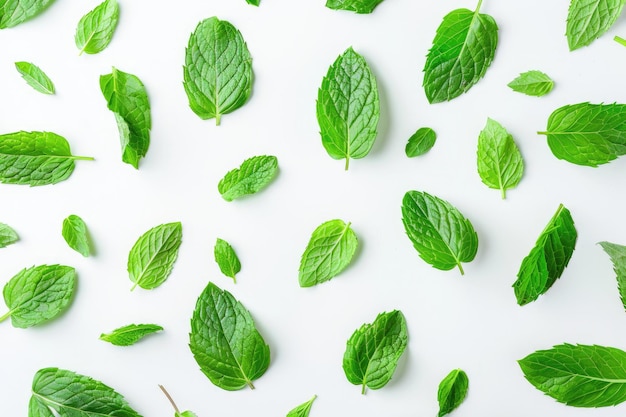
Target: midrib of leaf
{"type": "Point", "coordinates": [458, 60]}
{"type": "Point", "coordinates": [38, 83]}
{"type": "Point", "coordinates": [218, 115]}
{"type": "Point", "coordinates": [502, 189]}
{"type": "Point", "coordinates": [93, 33]}
{"type": "Point", "coordinates": [593, 378]}
{"type": "Point", "coordinates": [76, 158]}
{"type": "Point", "coordinates": [60, 405]}
{"type": "Point", "coordinates": [343, 232]}
{"type": "Point", "coordinates": [369, 363]}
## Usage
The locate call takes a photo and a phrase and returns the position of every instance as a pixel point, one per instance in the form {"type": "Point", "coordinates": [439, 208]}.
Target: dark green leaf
{"type": "Point", "coordinates": [358, 6]}
{"type": "Point", "coordinates": [532, 83]}
{"type": "Point", "coordinates": [129, 335]}
{"type": "Point", "coordinates": [452, 391]}
{"type": "Point", "coordinates": [373, 351]}
{"type": "Point", "coordinates": [254, 2]}
{"type": "Point", "coordinates": [253, 175]}
{"type": "Point", "coordinates": [547, 260]}
{"type": "Point", "coordinates": [218, 69]}
{"type": "Point", "coordinates": [95, 29]}
{"type": "Point", "coordinates": [578, 375]}
{"type": "Point", "coordinates": [348, 108]}
{"type": "Point", "coordinates": [420, 142]}
{"type": "Point", "coordinates": [587, 20]}
{"type": "Point", "coordinates": [35, 77]}
{"type": "Point", "coordinates": [618, 257]}
{"type": "Point", "coordinates": [226, 259]}
{"type": "Point", "coordinates": [303, 409]}
{"type": "Point", "coordinates": [225, 342]}
{"type": "Point", "coordinates": [75, 234]}
{"type": "Point", "coordinates": [14, 12]}
{"type": "Point", "coordinates": [8, 236]}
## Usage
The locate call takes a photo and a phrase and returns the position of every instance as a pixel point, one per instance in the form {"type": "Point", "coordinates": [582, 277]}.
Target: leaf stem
{"type": "Point", "coordinates": [84, 158]}
{"type": "Point", "coordinates": [620, 40]}
{"type": "Point", "coordinates": [250, 384]}
{"type": "Point", "coordinates": [363, 387]}
{"type": "Point", "coordinates": [134, 286]}
{"type": "Point", "coordinates": [169, 397]}
{"type": "Point", "coordinates": [542, 133]}
{"type": "Point", "coordinates": [480, 2]}
{"type": "Point", "coordinates": [347, 162]}
{"type": "Point", "coordinates": [218, 118]}
{"type": "Point", "coordinates": [460, 268]}
{"type": "Point", "coordinates": [6, 316]}
{"type": "Point", "coordinates": [503, 193]}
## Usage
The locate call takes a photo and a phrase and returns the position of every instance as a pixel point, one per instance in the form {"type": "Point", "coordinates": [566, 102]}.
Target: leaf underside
{"type": "Point", "coordinates": [35, 77]}
{"type": "Point", "coordinates": [130, 334]}
{"type": "Point", "coordinates": [8, 236]}
{"type": "Point", "coordinates": [532, 83]}
{"type": "Point", "coordinates": [617, 253]}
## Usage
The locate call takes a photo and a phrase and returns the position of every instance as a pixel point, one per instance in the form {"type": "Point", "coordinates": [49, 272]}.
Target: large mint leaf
{"type": "Point", "coordinates": [14, 12]}
{"type": "Point", "coordinates": [587, 20]}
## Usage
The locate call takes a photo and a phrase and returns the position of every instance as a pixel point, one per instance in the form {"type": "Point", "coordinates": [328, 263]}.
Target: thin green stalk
{"type": "Point", "coordinates": [6, 316]}
{"type": "Point", "coordinates": [619, 40]}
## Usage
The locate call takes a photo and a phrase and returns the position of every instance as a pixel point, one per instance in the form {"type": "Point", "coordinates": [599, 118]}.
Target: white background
{"type": "Point", "coordinates": [470, 322]}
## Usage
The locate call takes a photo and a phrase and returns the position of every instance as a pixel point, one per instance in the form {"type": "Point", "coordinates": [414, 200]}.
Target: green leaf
{"type": "Point", "coordinates": [420, 142]}
{"type": "Point", "coordinates": [35, 158]}
{"type": "Point", "coordinates": [38, 294]}
{"type": "Point", "coordinates": [129, 335]}
{"type": "Point", "coordinates": [8, 236]}
{"type": "Point", "coordinates": [500, 163]}
{"type": "Point", "coordinates": [617, 253]}
{"type": "Point", "coordinates": [587, 20]}
{"type": "Point", "coordinates": [75, 234]}
{"type": "Point", "coordinates": [254, 2]}
{"type": "Point", "coordinates": [226, 259]}
{"type": "Point", "coordinates": [95, 29]}
{"type": "Point", "coordinates": [358, 6]}
{"type": "Point", "coordinates": [218, 69]}
{"type": "Point", "coordinates": [373, 351]}
{"type": "Point", "coordinates": [439, 232]}
{"type": "Point", "coordinates": [330, 250]}
{"type": "Point", "coordinates": [252, 176]}
{"type": "Point", "coordinates": [462, 50]}
{"type": "Point", "coordinates": [225, 342]}
{"type": "Point", "coordinates": [587, 134]}
{"type": "Point", "coordinates": [127, 98]}
{"type": "Point", "coordinates": [452, 391]}
{"type": "Point", "coordinates": [548, 258]}
{"type": "Point", "coordinates": [185, 414]}
{"type": "Point", "coordinates": [72, 395]}
{"type": "Point", "coordinates": [348, 108]}
{"type": "Point", "coordinates": [14, 12]}
{"type": "Point", "coordinates": [578, 375]}
{"type": "Point", "coordinates": [152, 258]}
{"type": "Point", "coordinates": [35, 77]}
{"type": "Point", "coordinates": [532, 83]}
{"type": "Point", "coordinates": [303, 409]}
{"type": "Point", "coordinates": [37, 408]}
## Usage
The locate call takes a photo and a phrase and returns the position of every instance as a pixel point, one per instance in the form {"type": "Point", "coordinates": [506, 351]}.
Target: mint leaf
{"type": "Point", "coordinates": [95, 29]}
{"type": "Point", "coordinates": [253, 2]}
{"type": "Point", "coordinates": [71, 395]}
{"type": "Point", "coordinates": [127, 98]}
{"type": "Point", "coordinates": [452, 391]}
{"type": "Point", "coordinates": [35, 158]}
{"type": "Point", "coordinates": [8, 236]}
{"type": "Point", "coordinates": [303, 409]}
{"type": "Point", "coordinates": [14, 12]}
{"type": "Point", "coordinates": [226, 259]}
{"type": "Point", "coordinates": [38, 294]}
{"type": "Point", "coordinates": [348, 108]}
{"type": "Point", "coordinates": [130, 334]}
{"type": "Point", "coordinates": [252, 176]}
{"type": "Point", "coordinates": [75, 234]}
{"type": "Point", "coordinates": [420, 142]}
{"type": "Point", "coordinates": [587, 20]}
{"type": "Point", "coordinates": [547, 260]}
{"type": "Point", "coordinates": [462, 50]}
{"type": "Point", "coordinates": [500, 163]}
{"type": "Point", "coordinates": [373, 351]}
{"type": "Point", "coordinates": [439, 232]}
{"type": "Point", "coordinates": [177, 412]}
{"type": "Point", "coordinates": [532, 83]}
{"type": "Point", "coordinates": [358, 6]}
{"type": "Point", "coordinates": [587, 134]}
{"type": "Point", "coordinates": [37, 408]}
{"type": "Point", "coordinates": [224, 341]}
{"type": "Point", "coordinates": [218, 69]}
{"type": "Point", "coordinates": [35, 77]}
{"type": "Point", "coordinates": [578, 375]}
{"type": "Point", "coordinates": [152, 258]}
{"type": "Point", "coordinates": [330, 250]}
{"type": "Point", "coordinates": [617, 253]}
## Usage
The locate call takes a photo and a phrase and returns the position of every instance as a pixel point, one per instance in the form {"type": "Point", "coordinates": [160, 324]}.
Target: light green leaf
{"type": "Point", "coordinates": [38, 294]}
{"type": "Point", "coordinates": [452, 391]}
{"type": "Point", "coordinates": [462, 50]}
{"type": "Point", "coordinates": [358, 6]}
{"type": "Point", "coordinates": [330, 250]}
{"type": "Point", "coordinates": [185, 414]}
{"type": "Point", "coordinates": [152, 258]}
{"type": "Point", "coordinates": [95, 29]}
{"type": "Point", "coordinates": [439, 232]}
{"type": "Point", "coordinates": [35, 158]}
{"type": "Point", "coordinates": [8, 236]}
{"type": "Point", "coordinates": [130, 334]}
{"type": "Point", "coordinates": [587, 134]}
{"type": "Point", "coordinates": [420, 142]}
{"type": "Point", "coordinates": [578, 375]}
{"type": "Point", "coordinates": [587, 20]}
{"type": "Point", "coordinates": [225, 342]}
{"type": "Point", "coordinates": [226, 259]}
{"type": "Point", "coordinates": [37, 408]}
{"type": "Point", "coordinates": [532, 83]}
{"type": "Point", "coordinates": [253, 2]}
{"type": "Point", "coordinates": [73, 395]}
{"type": "Point", "coordinates": [218, 69]}
{"type": "Point", "coordinates": [303, 409]}
{"type": "Point", "coordinates": [35, 77]}
{"type": "Point", "coordinates": [617, 253]}
{"type": "Point", "coordinates": [547, 260]}
{"type": "Point", "coordinates": [14, 12]}
{"type": "Point", "coordinates": [127, 98]}
{"type": "Point", "coordinates": [373, 351]}
{"type": "Point", "coordinates": [500, 163]}
{"type": "Point", "coordinates": [252, 176]}
{"type": "Point", "coordinates": [348, 108]}
{"type": "Point", "coordinates": [75, 234]}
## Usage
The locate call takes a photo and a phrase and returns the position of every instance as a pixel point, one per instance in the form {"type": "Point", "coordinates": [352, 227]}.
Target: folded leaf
{"type": "Point", "coordinates": [252, 176]}
{"type": "Point", "coordinates": [8, 236]}
{"type": "Point", "coordinates": [95, 29]}
{"type": "Point", "coordinates": [587, 20]}
{"type": "Point", "coordinates": [129, 335]}
{"type": "Point", "coordinates": [532, 83]}
{"type": "Point", "coordinates": [303, 409]}
{"type": "Point", "coordinates": [358, 6]}
{"type": "Point", "coordinates": [618, 257]}
{"type": "Point", "coordinates": [226, 259]}
{"type": "Point", "coordinates": [420, 142]}
{"type": "Point", "coordinates": [35, 77]}
{"type": "Point", "coordinates": [14, 12]}
{"type": "Point", "coordinates": [75, 234]}
{"type": "Point", "coordinates": [452, 391]}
